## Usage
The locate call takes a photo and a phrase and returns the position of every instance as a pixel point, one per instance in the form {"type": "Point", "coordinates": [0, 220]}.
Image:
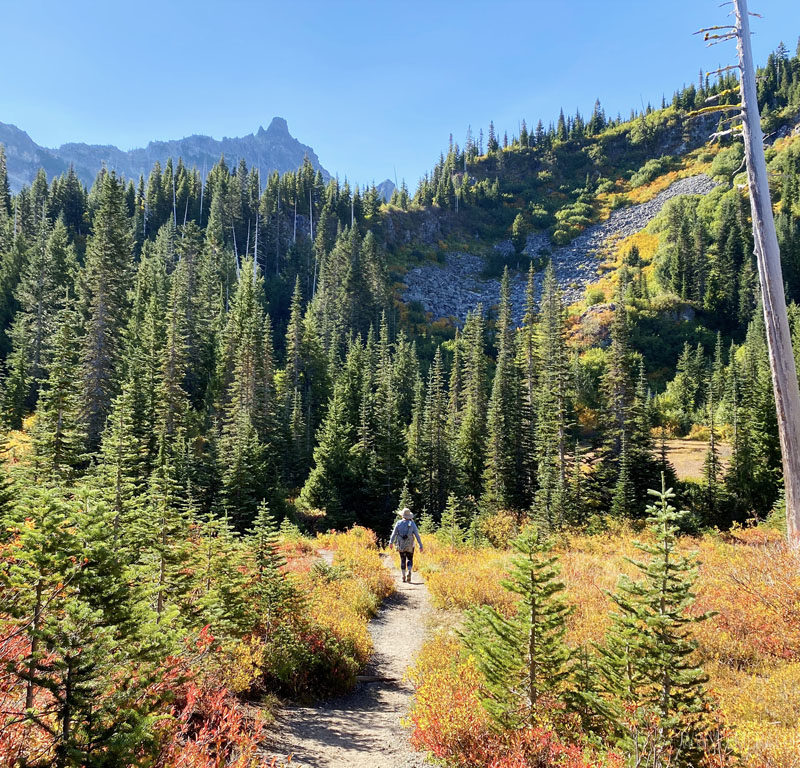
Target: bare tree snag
{"type": "Point", "coordinates": [781, 356]}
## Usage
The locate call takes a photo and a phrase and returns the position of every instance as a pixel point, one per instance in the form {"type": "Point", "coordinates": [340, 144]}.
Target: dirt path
{"type": "Point", "coordinates": [363, 729]}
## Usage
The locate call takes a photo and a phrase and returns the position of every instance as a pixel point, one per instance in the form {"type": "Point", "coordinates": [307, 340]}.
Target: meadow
{"type": "Point", "coordinates": [749, 647]}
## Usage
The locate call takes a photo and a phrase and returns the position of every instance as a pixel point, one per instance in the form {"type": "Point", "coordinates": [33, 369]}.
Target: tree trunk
{"type": "Point", "coordinates": [66, 718]}
{"type": "Point", "coordinates": [781, 357]}
{"type": "Point", "coordinates": [37, 615]}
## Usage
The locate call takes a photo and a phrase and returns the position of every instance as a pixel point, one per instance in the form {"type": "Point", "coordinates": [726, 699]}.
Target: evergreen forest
{"type": "Point", "coordinates": [205, 380]}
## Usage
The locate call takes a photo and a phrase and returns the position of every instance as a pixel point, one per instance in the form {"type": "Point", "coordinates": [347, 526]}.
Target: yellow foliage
{"type": "Point", "coordinates": [500, 528]}
{"type": "Point", "coordinates": [19, 444]}
{"type": "Point", "coordinates": [461, 578]}
{"type": "Point", "coordinates": [244, 665]}
{"type": "Point", "coordinates": [333, 606]}
{"type": "Point", "coordinates": [344, 600]}
{"type": "Point", "coordinates": [750, 647]}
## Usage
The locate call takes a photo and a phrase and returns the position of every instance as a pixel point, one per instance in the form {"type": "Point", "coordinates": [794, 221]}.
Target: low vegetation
{"type": "Point", "coordinates": [741, 625]}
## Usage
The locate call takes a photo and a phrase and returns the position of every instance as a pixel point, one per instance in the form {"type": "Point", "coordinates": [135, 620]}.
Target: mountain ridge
{"type": "Point", "coordinates": [270, 149]}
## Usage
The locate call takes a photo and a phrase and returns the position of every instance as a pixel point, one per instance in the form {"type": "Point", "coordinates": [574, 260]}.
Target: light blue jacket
{"type": "Point", "coordinates": [412, 529]}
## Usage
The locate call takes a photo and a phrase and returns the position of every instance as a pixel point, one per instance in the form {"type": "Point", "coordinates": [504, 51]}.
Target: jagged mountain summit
{"type": "Point", "coordinates": [273, 149]}
{"type": "Point", "coordinates": [385, 189]}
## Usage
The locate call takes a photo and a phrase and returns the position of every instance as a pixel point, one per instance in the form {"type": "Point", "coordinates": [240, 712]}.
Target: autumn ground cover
{"type": "Point", "coordinates": [750, 647]}
{"type": "Point", "coordinates": [209, 701]}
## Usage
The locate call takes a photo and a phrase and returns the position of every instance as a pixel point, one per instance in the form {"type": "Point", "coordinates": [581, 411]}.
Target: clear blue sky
{"type": "Point", "coordinates": [372, 85]}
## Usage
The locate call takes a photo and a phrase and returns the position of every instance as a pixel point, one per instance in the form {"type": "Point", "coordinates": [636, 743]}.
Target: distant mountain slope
{"type": "Point", "coordinates": [457, 287]}
{"type": "Point", "coordinates": [273, 149]}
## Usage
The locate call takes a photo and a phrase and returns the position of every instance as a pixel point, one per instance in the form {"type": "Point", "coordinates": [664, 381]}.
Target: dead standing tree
{"type": "Point", "coordinates": [779, 343]}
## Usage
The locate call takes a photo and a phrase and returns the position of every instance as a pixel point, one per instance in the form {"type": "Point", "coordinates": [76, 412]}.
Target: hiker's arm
{"type": "Point", "coordinates": [394, 535]}
{"type": "Point", "coordinates": [416, 533]}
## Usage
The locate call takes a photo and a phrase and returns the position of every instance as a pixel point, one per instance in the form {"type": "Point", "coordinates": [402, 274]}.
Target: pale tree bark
{"type": "Point", "coordinates": [781, 356]}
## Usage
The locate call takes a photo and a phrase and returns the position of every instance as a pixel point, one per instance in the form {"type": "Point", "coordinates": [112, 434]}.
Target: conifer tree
{"type": "Point", "coordinates": [388, 434]}
{"type": "Point", "coordinates": [159, 535]}
{"type": "Point", "coordinates": [294, 418]}
{"type": "Point", "coordinates": [8, 490]}
{"type": "Point", "coordinates": [5, 189]}
{"type": "Point", "coordinates": [552, 405]}
{"type": "Point", "coordinates": [39, 295]}
{"type": "Point", "coordinates": [450, 532]}
{"type": "Point", "coordinates": [528, 353]}
{"type": "Point", "coordinates": [104, 285]}
{"type": "Point", "coordinates": [331, 482]}
{"type": "Point", "coordinates": [270, 589]}
{"type": "Point", "coordinates": [435, 459]}
{"type": "Point", "coordinates": [502, 474]}
{"type": "Point", "coordinates": [651, 675]}
{"type": "Point", "coordinates": [83, 618]}
{"type": "Point", "coordinates": [59, 436]}
{"type": "Point", "coordinates": [523, 659]}
{"type": "Point", "coordinates": [470, 443]}
{"type": "Point", "coordinates": [221, 581]}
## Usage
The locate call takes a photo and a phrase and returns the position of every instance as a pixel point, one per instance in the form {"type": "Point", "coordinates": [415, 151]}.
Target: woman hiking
{"type": "Point", "coordinates": [403, 535]}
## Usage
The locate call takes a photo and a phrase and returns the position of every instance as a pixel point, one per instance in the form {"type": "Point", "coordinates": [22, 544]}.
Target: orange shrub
{"type": "Point", "coordinates": [752, 582]}
{"type": "Point", "coordinates": [750, 647]}
{"type": "Point", "coordinates": [447, 717]}
{"type": "Point", "coordinates": [450, 722]}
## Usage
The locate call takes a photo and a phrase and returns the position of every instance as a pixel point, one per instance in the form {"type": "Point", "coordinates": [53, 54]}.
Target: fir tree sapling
{"type": "Point", "coordinates": [523, 659]}
{"type": "Point", "coordinates": [651, 678]}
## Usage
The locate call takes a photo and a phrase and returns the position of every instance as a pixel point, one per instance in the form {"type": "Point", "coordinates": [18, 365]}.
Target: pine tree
{"type": "Point", "coordinates": [39, 295]}
{"type": "Point", "coordinates": [651, 675]}
{"type": "Point", "coordinates": [159, 535]}
{"type": "Point", "coordinates": [502, 474]}
{"type": "Point", "coordinates": [296, 459]}
{"type": "Point", "coordinates": [104, 285]}
{"type": "Point", "coordinates": [435, 459]}
{"type": "Point", "coordinates": [450, 533]}
{"type": "Point", "coordinates": [528, 354]}
{"type": "Point", "coordinates": [388, 434]}
{"type": "Point", "coordinates": [552, 405]}
{"type": "Point", "coordinates": [331, 482]}
{"type": "Point", "coordinates": [470, 443]}
{"type": "Point", "coordinates": [222, 581]}
{"type": "Point", "coordinates": [5, 188]}
{"type": "Point", "coordinates": [67, 588]}
{"type": "Point", "coordinates": [59, 436]}
{"type": "Point", "coordinates": [523, 659]}
{"type": "Point", "coordinates": [8, 490]}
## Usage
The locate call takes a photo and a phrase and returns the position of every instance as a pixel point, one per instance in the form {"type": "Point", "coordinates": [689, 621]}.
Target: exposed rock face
{"type": "Point", "coordinates": [273, 149]}
{"type": "Point", "coordinates": [385, 189]}
{"type": "Point", "coordinates": [456, 288]}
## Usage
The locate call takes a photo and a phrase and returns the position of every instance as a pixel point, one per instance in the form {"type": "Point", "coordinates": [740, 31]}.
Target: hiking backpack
{"type": "Point", "coordinates": [405, 540]}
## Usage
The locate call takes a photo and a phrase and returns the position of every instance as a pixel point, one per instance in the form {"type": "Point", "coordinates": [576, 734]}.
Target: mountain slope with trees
{"type": "Point", "coordinates": [186, 355]}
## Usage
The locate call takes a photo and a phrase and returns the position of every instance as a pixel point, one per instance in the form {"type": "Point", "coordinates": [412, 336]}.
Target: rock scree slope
{"type": "Point", "coordinates": [364, 728]}
{"type": "Point", "coordinates": [456, 288]}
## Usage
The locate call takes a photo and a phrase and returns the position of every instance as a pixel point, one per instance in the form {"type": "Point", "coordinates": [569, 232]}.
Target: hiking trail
{"type": "Point", "coordinates": [363, 729]}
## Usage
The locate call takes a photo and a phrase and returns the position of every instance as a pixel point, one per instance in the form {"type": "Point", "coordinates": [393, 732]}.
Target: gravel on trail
{"type": "Point", "coordinates": [364, 729]}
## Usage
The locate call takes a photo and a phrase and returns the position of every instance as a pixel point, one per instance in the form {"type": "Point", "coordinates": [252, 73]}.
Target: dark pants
{"type": "Point", "coordinates": [406, 557]}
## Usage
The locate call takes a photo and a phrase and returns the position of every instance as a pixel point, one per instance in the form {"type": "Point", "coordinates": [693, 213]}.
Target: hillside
{"type": "Point", "coordinates": [455, 289]}
{"type": "Point", "coordinates": [219, 391]}
{"type": "Point", "coordinates": [273, 149]}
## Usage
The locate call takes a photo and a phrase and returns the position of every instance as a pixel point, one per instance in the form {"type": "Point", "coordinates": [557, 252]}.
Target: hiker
{"type": "Point", "coordinates": [403, 535]}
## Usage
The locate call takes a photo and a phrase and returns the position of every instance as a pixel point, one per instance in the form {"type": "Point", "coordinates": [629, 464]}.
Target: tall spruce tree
{"type": "Point", "coordinates": [552, 406]}
{"type": "Point", "coordinates": [502, 474]}
{"type": "Point", "coordinates": [435, 459]}
{"type": "Point", "coordinates": [470, 443]}
{"type": "Point", "coordinates": [104, 285]}
{"type": "Point", "coordinates": [59, 436]}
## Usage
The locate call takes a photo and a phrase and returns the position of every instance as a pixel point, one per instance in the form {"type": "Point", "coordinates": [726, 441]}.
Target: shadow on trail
{"type": "Point", "coordinates": [363, 729]}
